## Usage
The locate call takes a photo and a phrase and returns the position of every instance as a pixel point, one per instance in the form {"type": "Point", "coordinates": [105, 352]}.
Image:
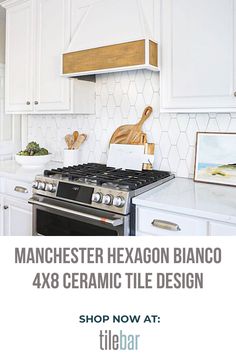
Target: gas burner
{"type": "Point", "coordinates": [97, 186]}
{"type": "Point", "coordinates": [107, 177]}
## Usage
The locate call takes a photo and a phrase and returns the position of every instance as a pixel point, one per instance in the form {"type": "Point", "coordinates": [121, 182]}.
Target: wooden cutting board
{"type": "Point", "coordinates": [132, 133]}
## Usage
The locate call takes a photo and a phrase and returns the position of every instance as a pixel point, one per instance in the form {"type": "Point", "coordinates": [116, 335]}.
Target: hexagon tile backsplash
{"type": "Point", "coordinates": [120, 99]}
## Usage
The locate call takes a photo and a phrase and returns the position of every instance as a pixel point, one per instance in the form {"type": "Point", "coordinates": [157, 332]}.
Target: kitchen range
{"type": "Point", "coordinates": [90, 199]}
{"type": "Point", "coordinates": [121, 91]}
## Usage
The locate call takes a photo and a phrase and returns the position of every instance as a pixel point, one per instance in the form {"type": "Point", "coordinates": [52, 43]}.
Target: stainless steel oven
{"type": "Point", "coordinates": [60, 218]}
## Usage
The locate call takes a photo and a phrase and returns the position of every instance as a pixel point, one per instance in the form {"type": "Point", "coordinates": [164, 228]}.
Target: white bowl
{"type": "Point", "coordinates": [33, 161]}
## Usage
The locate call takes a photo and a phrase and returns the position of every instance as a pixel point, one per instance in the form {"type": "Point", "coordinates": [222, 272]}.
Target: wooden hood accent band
{"type": "Point", "coordinates": [110, 57]}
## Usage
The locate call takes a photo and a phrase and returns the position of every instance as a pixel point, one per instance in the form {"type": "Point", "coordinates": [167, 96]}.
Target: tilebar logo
{"type": "Point", "coordinates": [118, 341]}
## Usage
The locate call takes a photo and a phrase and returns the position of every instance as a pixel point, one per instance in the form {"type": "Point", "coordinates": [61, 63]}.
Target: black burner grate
{"type": "Point", "coordinates": [102, 175]}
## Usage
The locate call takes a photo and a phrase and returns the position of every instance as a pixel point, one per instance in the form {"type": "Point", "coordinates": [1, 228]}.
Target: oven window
{"type": "Point", "coordinates": [49, 224]}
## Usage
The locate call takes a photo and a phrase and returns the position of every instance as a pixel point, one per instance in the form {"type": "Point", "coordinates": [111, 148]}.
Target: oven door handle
{"type": "Point", "coordinates": [114, 223]}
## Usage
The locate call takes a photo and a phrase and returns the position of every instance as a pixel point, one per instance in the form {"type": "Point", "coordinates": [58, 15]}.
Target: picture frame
{"type": "Point", "coordinates": [215, 158]}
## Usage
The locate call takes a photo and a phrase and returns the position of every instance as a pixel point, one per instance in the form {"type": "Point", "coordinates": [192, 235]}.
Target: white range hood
{"type": "Point", "coordinates": [112, 35]}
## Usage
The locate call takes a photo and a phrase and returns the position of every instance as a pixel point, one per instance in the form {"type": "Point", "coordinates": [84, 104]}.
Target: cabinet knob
{"type": "Point", "coordinates": [36, 103]}
{"type": "Point", "coordinates": [5, 207]}
{"type": "Point", "coordinates": [28, 103]}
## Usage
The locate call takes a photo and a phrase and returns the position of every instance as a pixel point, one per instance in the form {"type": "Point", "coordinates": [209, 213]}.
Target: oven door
{"type": "Point", "coordinates": [58, 218]}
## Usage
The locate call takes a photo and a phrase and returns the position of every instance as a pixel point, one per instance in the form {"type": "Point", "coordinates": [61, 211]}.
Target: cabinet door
{"type": "Point", "coordinates": [52, 90]}
{"type": "Point", "coordinates": [19, 58]}
{"type": "Point", "coordinates": [17, 218]}
{"type": "Point", "coordinates": [147, 223]}
{"type": "Point", "coordinates": [221, 229]}
{"type": "Point", "coordinates": [1, 216]}
{"type": "Point", "coordinates": [198, 55]}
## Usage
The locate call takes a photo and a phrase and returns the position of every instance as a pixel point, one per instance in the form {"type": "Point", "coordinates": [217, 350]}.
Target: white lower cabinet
{"type": "Point", "coordinates": [15, 212]}
{"type": "Point", "coordinates": [221, 229]}
{"type": "Point", "coordinates": [17, 217]}
{"type": "Point", "coordinates": [160, 223]}
{"type": "Point", "coordinates": [155, 222]}
{"type": "Point", "coordinates": [1, 216]}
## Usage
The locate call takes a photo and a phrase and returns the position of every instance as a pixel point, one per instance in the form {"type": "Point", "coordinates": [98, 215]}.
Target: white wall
{"type": "Point", "coordinates": [120, 99]}
{"type": "Point", "coordinates": [2, 35]}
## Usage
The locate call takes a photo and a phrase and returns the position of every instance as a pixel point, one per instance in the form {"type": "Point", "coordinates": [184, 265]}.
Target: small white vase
{"type": "Point", "coordinates": [71, 157]}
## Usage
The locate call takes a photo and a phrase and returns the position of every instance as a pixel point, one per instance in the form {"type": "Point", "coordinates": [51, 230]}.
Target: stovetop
{"type": "Point", "coordinates": [108, 177]}
{"type": "Point", "coordinates": [98, 186]}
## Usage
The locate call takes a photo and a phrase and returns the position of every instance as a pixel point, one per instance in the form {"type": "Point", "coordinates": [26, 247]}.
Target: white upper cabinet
{"type": "Point", "coordinates": [19, 58]}
{"type": "Point", "coordinates": [198, 60]}
{"type": "Point", "coordinates": [37, 34]}
{"type": "Point", "coordinates": [52, 91]}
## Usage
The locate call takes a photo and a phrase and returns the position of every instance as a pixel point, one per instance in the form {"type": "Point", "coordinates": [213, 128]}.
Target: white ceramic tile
{"type": "Point", "coordinates": [121, 99]}
{"type": "Point", "coordinates": [156, 104]}
{"type": "Point", "coordinates": [118, 94]}
{"type": "Point", "coordinates": [125, 106]}
{"type": "Point", "coordinates": [191, 131]}
{"type": "Point", "coordinates": [223, 121]}
{"type": "Point", "coordinates": [173, 158]}
{"type": "Point", "coordinates": [132, 75]}
{"type": "Point", "coordinates": [165, 121]}
{"type": "Point", "coordinates": [156, 131]}
{"type": "Point", "coordinates": [117, 118]}
{"type": "Point", "coordinates": [140, 104]}
{"type": "Point", "coordinates": [174, 131]}
{"type": "Point", "coordinates": [147, 74]}
{"type": "Point", "coordinates": [155, 82]}
{"type": "Point", "coordinates": [183, 120]}
{"type": "Point", "coordinates": [232, 126]}
{"type": "Point", "coordinates": [183, 169]}
{"type": "Point", "coordinates": [148, 92]}
{"type": "Point", "coordinates": [190, 160]}
{"type": "Point", "coordinates": [125, 81]}
{"type": "Point", "coordinates": [111, 106]}
{"type": "Point", "coordinates": [111, 84]}
{"type": "Point", "coordinates": [132, 93]}
{"type": "Point", "coordinates": [104, 95]}
{"type": "Point", "coordinates": [133, 116]}
{"type": "Point", "coordinates": [202, 121]}
{"type": "Point", "coordinates": [165, 166]}
{"type": "Point", "coordinates": [212, 125]}
{"type": "Point", "coordinates": [158, 157]}
{"type": "Point", "coordinates": [140, 81]}
{"type": "Point", "coordinates": [165, 145]}
{"type": "Point", "coordinates": [183, 146]}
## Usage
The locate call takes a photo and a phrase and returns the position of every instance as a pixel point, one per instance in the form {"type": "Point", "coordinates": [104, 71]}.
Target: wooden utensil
{"type": "Point", "coordinates": [69, 141]}
{"type": "Point", "coordinates": [75, 135]}
{"type": "Point", "coordinates": [131, 133]}
{"type": "Point", "coordinates": [79, 141]}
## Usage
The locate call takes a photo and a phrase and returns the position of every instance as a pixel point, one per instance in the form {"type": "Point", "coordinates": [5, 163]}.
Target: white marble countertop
{"type": "Point", "coordinates": [11, 169]}
{"type": "Point", "coordinates": [185, 196]}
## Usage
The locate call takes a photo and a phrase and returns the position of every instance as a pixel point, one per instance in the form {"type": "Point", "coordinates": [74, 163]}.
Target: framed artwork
{"type": "Point", "coordinates": [215, 160]}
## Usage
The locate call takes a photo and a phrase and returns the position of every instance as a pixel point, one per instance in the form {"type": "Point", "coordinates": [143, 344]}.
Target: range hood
{"type": "Point", "coordinates": [119, 41]}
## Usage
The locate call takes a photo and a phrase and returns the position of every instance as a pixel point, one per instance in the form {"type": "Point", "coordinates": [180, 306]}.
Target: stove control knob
{"type": "Point", "coordinates": [50, 187]}
{"type": "Point", "coordinates": [97, 197]}
{"type": "Point", "coordinates": [41, 186]}
{"type": "Point", "coordinates": [107, 199]}
{"type": "Point", "coordinates": [119, 202]}
{"type": "Point", "coordinates": [35, 184]}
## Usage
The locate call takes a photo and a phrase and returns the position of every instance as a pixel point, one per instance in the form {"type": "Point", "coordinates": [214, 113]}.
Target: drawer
{"type": "Point", "coordinates": [188, 226]}
{"type": "Point", "coordinates": [18, 189]}
{"type": "Point", "coordinates": [221, 229]}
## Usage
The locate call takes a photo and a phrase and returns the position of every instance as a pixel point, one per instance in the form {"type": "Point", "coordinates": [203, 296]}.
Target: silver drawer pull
{"type": "Point", "coordinates": [166, 225]}
{"type": "Point", "coordinates": [20, 189]}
